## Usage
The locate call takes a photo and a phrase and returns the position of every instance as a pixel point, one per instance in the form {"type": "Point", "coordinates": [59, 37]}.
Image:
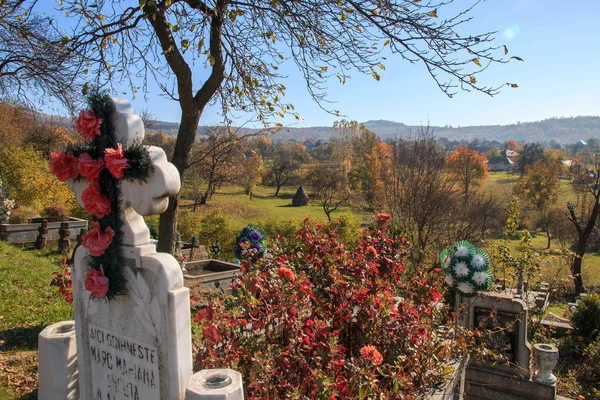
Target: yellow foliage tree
{"type": "Point", "coordinates": [16, 122]}
{"type": "Point", "coordinates": [31, 184]}
{"type": "Point", "coordinates": [468, 167]}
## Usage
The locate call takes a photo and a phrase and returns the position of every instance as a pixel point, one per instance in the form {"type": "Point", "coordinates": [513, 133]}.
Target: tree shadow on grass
{"type": "Point", "coordinates": [281, 196]}
{"type": "Point", "coordinates": [20, 338]}
{"type": "Point", "coordinates": [506, 180]}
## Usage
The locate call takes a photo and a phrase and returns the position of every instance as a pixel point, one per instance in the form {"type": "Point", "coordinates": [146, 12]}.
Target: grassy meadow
{"type": "Point", "coordinates": [263, 206]}
{"type": "Point", "coordinates": [27, 305]}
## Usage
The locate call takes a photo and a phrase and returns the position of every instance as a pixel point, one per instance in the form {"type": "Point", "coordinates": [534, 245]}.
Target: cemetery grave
{"type": "Point", "coordinates": [137, 343]}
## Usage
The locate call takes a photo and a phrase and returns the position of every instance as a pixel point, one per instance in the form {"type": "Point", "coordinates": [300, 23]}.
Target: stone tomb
{"type": "Point", "coordinates": [505, 318]}
{"type": "Point", "coordinates": [137, 346]}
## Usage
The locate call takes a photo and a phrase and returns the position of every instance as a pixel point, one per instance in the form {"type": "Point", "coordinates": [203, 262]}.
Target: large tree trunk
{"type": "Point", "coordinates": [584, 235]}
{"type": "Point", "coordinates": [277, 190]}
{"type": "Point", "coordinates": [191, 105]}
{"type": "Point", "coordinates": [167, 226]}
{"type": "Point", "coordinates": [576, 266]}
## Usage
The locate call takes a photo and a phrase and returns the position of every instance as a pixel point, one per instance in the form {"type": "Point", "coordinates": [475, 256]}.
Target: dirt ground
{"type": "Point", "coordinates": [19, 374]}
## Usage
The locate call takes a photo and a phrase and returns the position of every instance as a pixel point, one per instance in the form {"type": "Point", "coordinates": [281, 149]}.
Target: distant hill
{"type": "Point", "coordinates": [562, 130]}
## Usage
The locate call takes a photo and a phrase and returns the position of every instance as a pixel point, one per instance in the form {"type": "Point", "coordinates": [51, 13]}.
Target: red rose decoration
{"type": "Point", "coordinates": [96, 282]}
{"type": "Point", "coordinates": [97, 240]}
{"type": "Point", "coordinates": [88, 125]}
{"type": "Point", "coordinates": [64, 166]}
{"type": "Point", "coordinates": [94, 201]}
{"type": "Point", "coordinates": [116, 161]}
{"type": "Point", "coordinates": [90, 168]}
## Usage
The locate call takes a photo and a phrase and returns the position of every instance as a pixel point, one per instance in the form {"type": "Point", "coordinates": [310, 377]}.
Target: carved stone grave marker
{"type": "Point", "coordinates": [137, 346]}
{"type": "Point", "coordinates": [505, 318]}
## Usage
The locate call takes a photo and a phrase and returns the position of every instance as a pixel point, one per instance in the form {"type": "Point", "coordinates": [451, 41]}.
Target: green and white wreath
{"type": "Point", "coordinates": [466, 268]}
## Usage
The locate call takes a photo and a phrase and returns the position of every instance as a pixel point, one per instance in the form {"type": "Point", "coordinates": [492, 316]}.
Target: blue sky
{"type": "Point", "coordinates": [559, 41]}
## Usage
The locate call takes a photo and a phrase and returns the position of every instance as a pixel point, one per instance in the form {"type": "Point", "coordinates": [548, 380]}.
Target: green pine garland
{"type": "Point", "coordinates": [140, 167]}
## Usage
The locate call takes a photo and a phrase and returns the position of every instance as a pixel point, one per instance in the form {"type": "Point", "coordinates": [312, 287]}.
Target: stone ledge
{"type": "Point", "coordinates": [485, 383]}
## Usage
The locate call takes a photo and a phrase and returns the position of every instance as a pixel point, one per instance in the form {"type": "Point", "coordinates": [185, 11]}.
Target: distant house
{"type": "Point", "coordinates": [567, 163]}
{"type": "Point", "coordinates": [504, 162]}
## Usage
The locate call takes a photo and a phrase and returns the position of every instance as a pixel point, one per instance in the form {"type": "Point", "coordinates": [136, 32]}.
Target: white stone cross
{"type": "Point", "coordinates": [138, 197]}
{"type": "Point", "coordinates": [138, 345]}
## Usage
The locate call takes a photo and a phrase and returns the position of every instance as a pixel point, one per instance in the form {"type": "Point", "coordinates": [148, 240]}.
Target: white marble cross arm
{"type": "Point", "coordinates": [138, 197]}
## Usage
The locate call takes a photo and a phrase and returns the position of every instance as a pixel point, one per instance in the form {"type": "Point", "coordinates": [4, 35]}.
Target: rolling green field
{"type": "Point", "coordinates": [232, 201]}
{"type": "Point", "coordinates": [553, 269]}
{"type": "Point", "coordinates": [500, 185]}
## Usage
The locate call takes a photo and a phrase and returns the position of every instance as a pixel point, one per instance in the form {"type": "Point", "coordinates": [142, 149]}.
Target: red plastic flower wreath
{"type": "Point", "coordinates": [90, 168]}
{"type": "Point", "coordinates": [94, 201]}
{"type": "Point", "coordinates": [64, 166]}
{"type": "Point", "coordinates": [96, 282]}
{"type": "Point", "coordinates": [116, 161]}
{"type": "Point", "coordinates": [97, 240]}
{"type": "Point", "coordinates": [88, 125]}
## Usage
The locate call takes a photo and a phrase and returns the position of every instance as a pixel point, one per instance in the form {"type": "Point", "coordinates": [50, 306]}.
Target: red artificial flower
{"type": "Point", "coordinates": [97, 240]}
{"type": "Point", "coordinates": [116, 161]}
{"type": "Point", "coordinates": [371, 353]}
{"type": "Point", "coordinates": [90, 168]}
{"type": "Point", "coordinates": [64, 166]}
{"type": "Point", "coordinates": [286, 272]}
{"type": "Point", "coordinates": [94, 201]}
{"type": "Point", "coordinates": [88, 125]}
{"type": "Point", "coordinates": [96, 282]}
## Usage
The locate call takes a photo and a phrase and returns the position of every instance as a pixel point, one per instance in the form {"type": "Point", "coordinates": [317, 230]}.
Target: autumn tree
{"type": "Point", "coordinates": [583, 214]}
{"type": "Point", "coordinates": [35, 63]}
{"type": "Point", "coordinates": [229, 52]}
{"type": "Point", "coordinates": [531, 153]}
{"type": "Point", "coordinates": [539, 186]}
{"type": "Point", "coordinates": [49, 137]}
{"type": "Point", "coordinates": [364, 175]}
{"type": "Point", "coordinates": [330, 184]}
{"type": "Point", "coordinates": [17, 121]}
{"type": "Point", "coordinates": [213, 162]}
{"type": "Point", "coordinates": [30, 181]}
{"type": "Point", "coordinates": [249, 171]}
{"type": "Point", "coordinates": [419, 194]}
{"type": "Point", "coordinates": [494, 153]}
{"type": "Point", "coordinates": [344, 134]}
{"type": "Point", "coordinates": [158, 138]}
{"type": "Point", "coordinates": [283, 165]}
{"type": "Point", "coordinates": [468, 167]}
{"type": "Point", "coordinates": [512, 145]}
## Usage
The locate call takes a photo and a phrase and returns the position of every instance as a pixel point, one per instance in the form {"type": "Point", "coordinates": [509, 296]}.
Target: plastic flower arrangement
{"type": "Point", "coordinates": [103, 161]}
{"type": "Point", "coordinates": [5, 208]}
{"type": "Point", "coordinates": [466, 268]}
{"type": "Point", "coordinates": [250, 243]}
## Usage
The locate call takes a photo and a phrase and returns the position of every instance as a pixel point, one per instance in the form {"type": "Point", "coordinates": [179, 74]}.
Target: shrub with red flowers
{"type": "Point", "coordinates": [321, 320]}
{"type": "Point", "coordinates": [62, 280]}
